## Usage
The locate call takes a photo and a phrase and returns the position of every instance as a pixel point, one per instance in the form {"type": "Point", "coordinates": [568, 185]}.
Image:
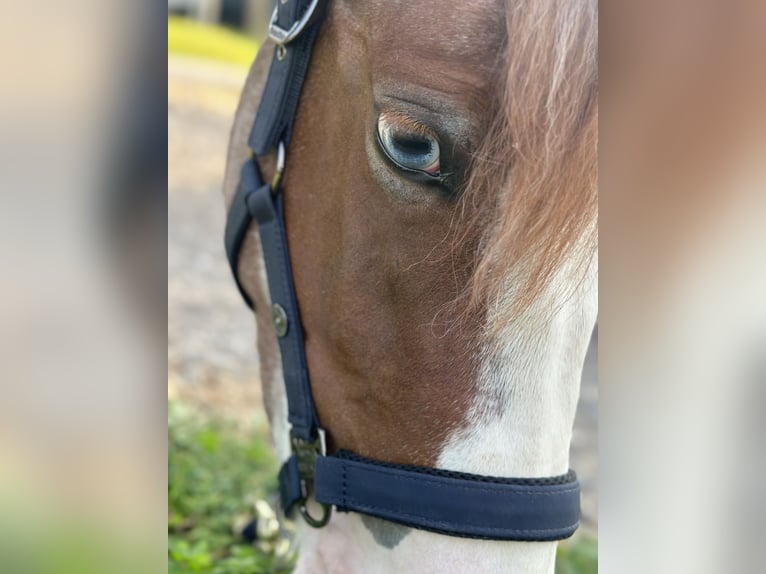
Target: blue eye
{"type": "Point", "coordinates": [410, 149]}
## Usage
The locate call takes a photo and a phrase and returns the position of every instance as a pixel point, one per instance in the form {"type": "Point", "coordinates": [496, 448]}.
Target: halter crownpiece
{"type": "Point", "coordinates": [447, 502]}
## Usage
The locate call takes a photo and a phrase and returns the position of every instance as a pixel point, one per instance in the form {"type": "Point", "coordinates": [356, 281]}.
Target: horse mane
{"type": "Point", "coordinates": [533, 186]}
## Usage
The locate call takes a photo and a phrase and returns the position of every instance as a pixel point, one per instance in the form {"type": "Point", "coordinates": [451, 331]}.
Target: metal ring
{"type": "Point", "coordinates": [282, 36]}
{"type": "Point", "coordinates": [311, 521]}
{"type": "Point", "coordinates": [281, 52]}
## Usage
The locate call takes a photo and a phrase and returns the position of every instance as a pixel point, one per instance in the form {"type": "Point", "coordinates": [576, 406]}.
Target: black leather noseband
{"type": "Point", "coordinates": [447, 502]}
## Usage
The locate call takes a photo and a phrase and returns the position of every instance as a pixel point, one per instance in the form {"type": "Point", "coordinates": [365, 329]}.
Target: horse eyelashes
{"type": "Point", "coordinates": [409, 147]}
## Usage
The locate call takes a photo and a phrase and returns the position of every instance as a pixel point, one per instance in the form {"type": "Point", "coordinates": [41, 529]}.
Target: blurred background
{"type": "Point", "coordinates": [251, 17]}
{"type": "Point", "coordinates": [210, 333]}
{"type": "Point", "coordinates": [83, 222]}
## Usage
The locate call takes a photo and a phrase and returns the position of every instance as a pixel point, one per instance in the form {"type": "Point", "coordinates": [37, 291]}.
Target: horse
{"type": "Point", "coordinates": [440, 210]}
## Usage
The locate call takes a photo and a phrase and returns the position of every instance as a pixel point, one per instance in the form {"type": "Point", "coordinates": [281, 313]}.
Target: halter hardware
{"type": "Point", "coordinates": [306, 454]}
{"type": "Point", "coordinates": [282, 36]}
{"type": "Point", "coordinates": [452, 503]}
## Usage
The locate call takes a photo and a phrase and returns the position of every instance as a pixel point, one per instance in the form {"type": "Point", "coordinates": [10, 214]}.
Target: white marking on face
{"type": "Point", "coordinates": [521, 421]}
{"type": "Point", "coordinates": [520, 424]}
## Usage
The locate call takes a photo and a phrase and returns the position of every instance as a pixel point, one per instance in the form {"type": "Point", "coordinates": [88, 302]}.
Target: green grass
{"type": "Point", "coordinates": [215, 472]}
{"type": "Point", "coordinates": [578, 556]}
{"type": "Point", "coordinates": [190, 38]}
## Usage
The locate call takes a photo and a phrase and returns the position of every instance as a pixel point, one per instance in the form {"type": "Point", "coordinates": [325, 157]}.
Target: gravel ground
{"type": "Point", "coordinates": [211, 337]}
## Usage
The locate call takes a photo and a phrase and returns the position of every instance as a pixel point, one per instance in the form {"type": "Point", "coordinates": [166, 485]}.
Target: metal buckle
{"type": "Point", "coordinates": [282, 36]}
{"type": "Point", "coordinates": [306, 453]}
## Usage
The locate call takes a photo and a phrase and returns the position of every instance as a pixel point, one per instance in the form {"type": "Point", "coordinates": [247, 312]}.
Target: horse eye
{"type": "Point", "coordinates": [409, 150]}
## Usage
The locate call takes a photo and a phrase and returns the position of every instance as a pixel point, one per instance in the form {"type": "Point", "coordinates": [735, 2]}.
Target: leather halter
{"type": "Point", "coordinates": [453, 503]}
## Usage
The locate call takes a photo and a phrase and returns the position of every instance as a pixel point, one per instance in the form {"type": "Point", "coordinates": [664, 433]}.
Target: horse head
{"type": "Point", "coordinates": [440, 210]}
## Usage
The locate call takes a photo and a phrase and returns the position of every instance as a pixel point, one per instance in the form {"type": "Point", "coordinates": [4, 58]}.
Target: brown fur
{"type": "Point", "coordinates": [379, 282]}
{"type": "Point", "coordinates": [536, 172]}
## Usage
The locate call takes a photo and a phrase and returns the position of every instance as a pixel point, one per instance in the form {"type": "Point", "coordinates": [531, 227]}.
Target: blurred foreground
{"type": "Point", "coordinates": [82, 299]}
{"type": "Point", "coordinates": [682, 321]}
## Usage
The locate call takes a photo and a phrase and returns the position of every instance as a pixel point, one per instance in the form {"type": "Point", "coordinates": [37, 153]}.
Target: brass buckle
{"type": "Point", "coordinates": [306, 454]}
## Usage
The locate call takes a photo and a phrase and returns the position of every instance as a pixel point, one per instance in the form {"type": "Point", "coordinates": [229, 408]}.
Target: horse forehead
{"type": "Point", "coordinates": [446, 16]}
{"type": "Point", "coordinates": [450, 49]}
{"type": "Point", "coordinates": [458, 33]}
